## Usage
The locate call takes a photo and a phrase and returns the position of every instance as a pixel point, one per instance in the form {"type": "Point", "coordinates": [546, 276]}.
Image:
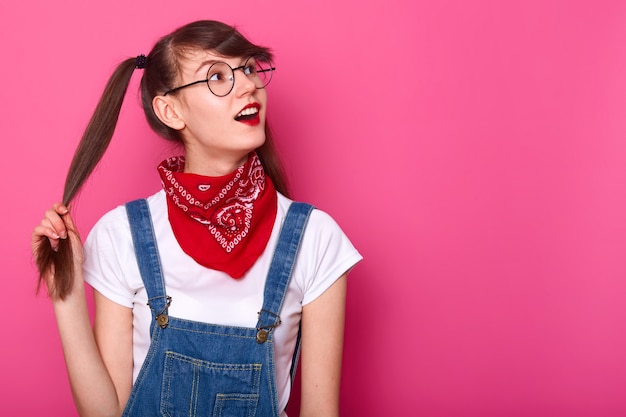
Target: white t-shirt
{"type": "Point", "coordinates": [211, 296]}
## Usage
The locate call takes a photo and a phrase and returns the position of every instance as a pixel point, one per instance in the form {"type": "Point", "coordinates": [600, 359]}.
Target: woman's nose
{"type": "Point", "coordinates": [243, 84]}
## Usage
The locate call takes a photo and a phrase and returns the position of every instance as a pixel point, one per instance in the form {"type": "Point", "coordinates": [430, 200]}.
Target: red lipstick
{"type": "Point", "coordinates": [250, 114]}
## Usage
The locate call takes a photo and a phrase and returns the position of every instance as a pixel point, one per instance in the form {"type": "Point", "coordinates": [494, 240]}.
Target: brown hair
{"type": "Point", "coordinates": [160, 75]}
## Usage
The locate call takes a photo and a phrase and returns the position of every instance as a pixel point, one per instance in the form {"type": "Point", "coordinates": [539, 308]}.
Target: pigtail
{"type": "Point", "coordinates": [92, 146]}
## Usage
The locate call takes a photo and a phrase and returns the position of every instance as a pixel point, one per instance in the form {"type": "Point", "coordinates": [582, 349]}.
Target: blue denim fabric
{"type": "Point", "coordinates": [201, 369]}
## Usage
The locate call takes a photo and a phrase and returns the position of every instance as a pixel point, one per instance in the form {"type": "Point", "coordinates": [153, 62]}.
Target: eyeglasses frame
{"type": "Point", "coordinates": [206, 79]}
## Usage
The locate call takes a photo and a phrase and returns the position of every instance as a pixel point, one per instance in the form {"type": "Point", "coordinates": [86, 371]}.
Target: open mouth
{"type": "Point", "coordinates": [250, 112]}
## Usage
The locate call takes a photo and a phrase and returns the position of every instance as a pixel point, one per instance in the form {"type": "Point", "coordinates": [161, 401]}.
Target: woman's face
{"type": "Point", "coordinates": [219, 130]}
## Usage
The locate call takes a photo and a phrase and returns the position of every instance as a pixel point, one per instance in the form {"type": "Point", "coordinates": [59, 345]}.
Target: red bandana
{"type": "Point", "coordinates": [223, 223]}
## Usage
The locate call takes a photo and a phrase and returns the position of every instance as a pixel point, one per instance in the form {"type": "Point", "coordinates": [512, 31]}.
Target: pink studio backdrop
{"type": "Point", "coordinates": [474, 152]}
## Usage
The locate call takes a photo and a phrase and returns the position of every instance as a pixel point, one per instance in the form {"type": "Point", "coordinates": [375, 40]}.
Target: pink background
{"type": "Point", "coordinates": [473, 151]}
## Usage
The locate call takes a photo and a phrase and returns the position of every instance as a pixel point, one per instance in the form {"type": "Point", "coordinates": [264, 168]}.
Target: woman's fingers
{"type": "Point", "coordinates": [55, 216]}
{"type": "Point", "coordinates": [43, 231]}
{"type": "Point", "coordinates": [68, 220]}
{"type": "Point", "coordinates": [74, 237]}
{"type": "Point", "coordinates": [52, 226]}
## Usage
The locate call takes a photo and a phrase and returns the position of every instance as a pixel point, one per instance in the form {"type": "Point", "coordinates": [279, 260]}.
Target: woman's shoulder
{"type": "Point", "coordinates": [320, 221]}
{"type": "Point", "coordinates": [326, 253]}
{"type": "Point", "coordinates": [115, 221]}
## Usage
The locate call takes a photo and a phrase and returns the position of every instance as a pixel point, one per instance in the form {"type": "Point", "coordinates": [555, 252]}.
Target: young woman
{"type": "Point", "coordinates": [204, 290]}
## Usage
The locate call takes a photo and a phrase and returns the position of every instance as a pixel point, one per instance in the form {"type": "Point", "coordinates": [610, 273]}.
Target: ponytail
{"type": "Point", "coordinates": [92, 146]}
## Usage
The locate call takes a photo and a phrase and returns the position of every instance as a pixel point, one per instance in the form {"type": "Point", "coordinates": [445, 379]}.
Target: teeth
{"type": "Point", "coordinates": [248, 112]}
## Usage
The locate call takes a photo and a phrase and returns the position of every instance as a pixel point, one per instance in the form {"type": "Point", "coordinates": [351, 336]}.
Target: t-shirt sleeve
{"type": "Point", "coordinates": [109, 257]}
{"type": "Point", "coordinates": [325, 255]}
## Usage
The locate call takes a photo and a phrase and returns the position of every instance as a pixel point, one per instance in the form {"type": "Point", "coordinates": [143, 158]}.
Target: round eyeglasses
{"type": "Point", "coordinates": [220, 78]}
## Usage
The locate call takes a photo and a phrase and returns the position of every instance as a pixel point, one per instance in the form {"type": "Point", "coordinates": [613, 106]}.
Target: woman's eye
{"type": "Point", "coordinates": [249, 70]}
{"type": "Point", "coordinates": [217, 76]}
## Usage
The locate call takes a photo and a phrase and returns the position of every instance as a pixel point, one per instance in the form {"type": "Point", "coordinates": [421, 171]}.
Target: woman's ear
{"type": "Point", "coordinates": [166, 110]}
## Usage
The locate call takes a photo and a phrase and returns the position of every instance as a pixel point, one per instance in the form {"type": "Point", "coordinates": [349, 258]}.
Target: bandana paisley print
{"type": "Point", "coordinates": [235, 211]}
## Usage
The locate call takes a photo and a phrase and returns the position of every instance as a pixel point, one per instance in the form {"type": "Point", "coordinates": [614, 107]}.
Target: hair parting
{"type": "Point", "coordinates": [93, 144]}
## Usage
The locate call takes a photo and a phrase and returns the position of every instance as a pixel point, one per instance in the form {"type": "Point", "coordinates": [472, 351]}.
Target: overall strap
{"type": "Point", "coordinates": [281, 267]}
{"type": "Point", "coordinates": [282, 264]}
{"type": "Point", "coordinates": [148, 259]}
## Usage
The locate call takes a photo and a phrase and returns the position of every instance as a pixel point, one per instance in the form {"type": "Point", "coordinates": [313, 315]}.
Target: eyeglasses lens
{"type": "Point", "coordinates": [220, 79]}
{"type": "Point", "coordinates": [261, 71]}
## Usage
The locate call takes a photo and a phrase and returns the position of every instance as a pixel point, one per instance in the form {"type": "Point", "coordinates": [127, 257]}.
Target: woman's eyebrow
{"type": "Point", "coordinates": [213, 61]}
{"type": "Point", "coordinates": [205, 63]}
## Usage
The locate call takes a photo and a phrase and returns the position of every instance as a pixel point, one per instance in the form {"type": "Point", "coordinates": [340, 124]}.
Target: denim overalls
{"type": "Point", "coordinates": [201, 369]}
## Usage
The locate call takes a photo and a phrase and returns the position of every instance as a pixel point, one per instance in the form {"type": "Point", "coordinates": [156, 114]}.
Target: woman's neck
{"type": "Point", "coordinates": [212, 166]}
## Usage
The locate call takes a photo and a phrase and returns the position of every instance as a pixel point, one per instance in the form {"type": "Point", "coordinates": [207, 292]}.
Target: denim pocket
{"type": "Point", "coordinates": [194, 387]}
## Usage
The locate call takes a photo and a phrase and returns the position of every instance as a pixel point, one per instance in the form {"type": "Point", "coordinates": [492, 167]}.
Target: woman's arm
{"type": "Point", "coordinates": [98, 378]}
{"type": "Point", "coordinates": [322, 348]}
{"type": "Point", "coordinates": [113, 331]}
{"type": "Point", "coordinates": [100, 371]}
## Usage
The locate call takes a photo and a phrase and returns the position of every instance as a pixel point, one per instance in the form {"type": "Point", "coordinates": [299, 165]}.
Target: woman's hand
{"type": "Point", "coordinates": [56, 229]}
